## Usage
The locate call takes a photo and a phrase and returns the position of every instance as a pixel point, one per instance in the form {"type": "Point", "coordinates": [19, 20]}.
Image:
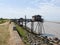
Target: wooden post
{"type": "Point", "coordinates": [32, 26]}
{"type": "Point", "coordinates": [25, 21]}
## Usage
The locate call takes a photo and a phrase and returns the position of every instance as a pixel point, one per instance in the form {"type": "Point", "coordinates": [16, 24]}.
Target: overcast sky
{"type": "Point", "coordinates": [49, 9]}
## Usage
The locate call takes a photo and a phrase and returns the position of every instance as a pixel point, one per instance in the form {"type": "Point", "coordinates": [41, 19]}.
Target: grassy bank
{"type": "Point", "coordinates": [3, 21]}
{"type": "Point", "coordinates": [23, 34]}
{"type": "Point", "coordinates": [4, 34]}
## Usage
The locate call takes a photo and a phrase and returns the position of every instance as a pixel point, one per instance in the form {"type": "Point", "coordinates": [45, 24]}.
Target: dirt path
{"type": "Point", "coordinates": [4, 33]}
{"type": "Point", "coordinates": [14, 36]}
{"type": "Point", "coordinates": [5, 23]}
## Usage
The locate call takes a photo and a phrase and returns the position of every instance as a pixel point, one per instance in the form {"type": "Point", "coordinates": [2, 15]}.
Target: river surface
{"type": "Point", "coordinates": [51, 29]}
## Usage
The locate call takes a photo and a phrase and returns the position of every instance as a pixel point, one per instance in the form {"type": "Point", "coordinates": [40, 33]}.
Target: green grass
{"type": "Point", "coordinates": [2, 21]}
{"type": "Point", "coordinates": [23, 33]}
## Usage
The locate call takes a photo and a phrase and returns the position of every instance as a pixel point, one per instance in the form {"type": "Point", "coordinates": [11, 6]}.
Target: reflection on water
{"type": "Point", "coordinates": [49, 35]}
